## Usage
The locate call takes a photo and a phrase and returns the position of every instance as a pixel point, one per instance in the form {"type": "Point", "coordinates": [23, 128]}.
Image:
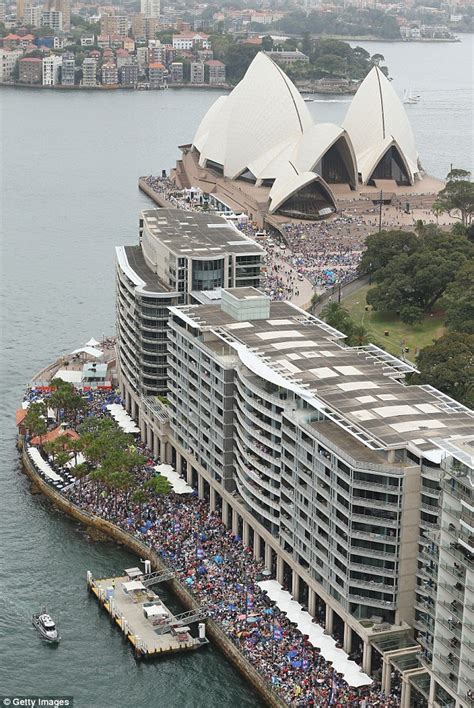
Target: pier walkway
{"type": "Point", "coordinates": [144, 619]}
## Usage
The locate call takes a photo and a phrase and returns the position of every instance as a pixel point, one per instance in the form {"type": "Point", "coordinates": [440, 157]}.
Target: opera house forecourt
{"type": "Point", "coordinates": [258, 149]}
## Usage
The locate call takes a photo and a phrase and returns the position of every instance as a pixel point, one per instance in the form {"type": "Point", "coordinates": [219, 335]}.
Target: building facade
{"type": "Point", "coordinates": [129, 73]}
{"type": "Point", "coordinates": [216, 71]}
{"type": "Point", "coordinates": [8, 62]}
{"type": "Point", "coordinates": [53, 19]}
{"type": "Point", "coordinates": [51, 70]}
{"type": "Point", "coordinates": [150, 8]}
{"type": "Point", "coordinates": [109, 74]}
{"type": "Point", "coordinates": [89, 72]}
{"type": "Point", "coordinates": [68, 69]}
{"type": "Point", "coordinates": [180, 255]}
{"type": "Point", "coordinates": [196, 75]}
{"type": "Point", "coordinates": [317, 455]}
{"type": "Point", "coordinates": [156, 75]}
{"type": "Point", "coordinates": [30, 70]}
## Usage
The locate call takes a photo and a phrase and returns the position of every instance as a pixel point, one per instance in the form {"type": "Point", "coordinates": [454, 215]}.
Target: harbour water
{"type": "Point", "coordinates": [69, 171]}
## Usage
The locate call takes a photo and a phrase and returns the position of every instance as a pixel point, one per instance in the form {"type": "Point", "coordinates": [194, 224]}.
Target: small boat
{"type": "Point", "coordinates": [308, 100]}
{"type": "Point", "coordinates": [43, 622]}
{"type": "Point", "coordinates": [408, 97]}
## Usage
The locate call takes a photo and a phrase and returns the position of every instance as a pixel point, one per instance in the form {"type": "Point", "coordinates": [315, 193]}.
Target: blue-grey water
{"type": "Point", "coordinates": [69, 167]}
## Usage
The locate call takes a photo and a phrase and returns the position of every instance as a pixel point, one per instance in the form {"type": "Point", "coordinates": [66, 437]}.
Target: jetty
{"type": "Point", "coordinates": [146, 622]}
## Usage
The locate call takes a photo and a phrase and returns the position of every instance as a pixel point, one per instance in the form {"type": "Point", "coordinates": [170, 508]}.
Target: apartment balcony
{"type": "Point", "coordinates": [379, 503]}
{"type": "Point", "coordinates": [254, 505]}
{"type": "Point", "coordinates": [455, 627]}
{"type": "Point", "coordinates": [249, 442]}
{"type": "Point", "coordinates": [254, 460]}
{"type": "Point", "coordinates": [373, 602]}
{"type": "Point", "coordinates": [377, 570]}
{"type": "Point", "coordinates": [381, 537]}
{"type": "Point", "coordinates": [255, 478]}
{"type": "Point", "coordinates": [254, 418]}
{"type": "Point", "coordinates": [256, 434]}
{"type": "Point", "coordinates": [373, 585]}
{"type": "Point", "coordinates": [453, 644]}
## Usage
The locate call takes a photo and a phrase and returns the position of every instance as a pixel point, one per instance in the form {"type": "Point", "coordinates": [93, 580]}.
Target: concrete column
{"type": "Point", "coordinates": [235, 522]}
{"type": "Point", "coordinates": [386, 677]}
{"type": "Point", "coordinates": [225, 511]}
{"type": "Point", "coordinates": [367, 658]}
{"type": "Point", "coordinates": [268, 556]}
{"type": "Point", "coordinates": [166, 453]}
{"type": "Point", "coordinates": [189, 475]}
{"type": "Point", "coordinates": [405, 697]}
{"type": "Point", "coordinates": [347, 638]}
{"type": "Point", "coordinates": [156, 447]}
{"type": "Point", "coordinates": [279, 573]}
{"type": "Point", "coordinates": [212, 499]}
{"type": "Point", "coordinates": [311, 602]}
{"type": "Point", "coordinates": [245, 534]}
{"type": "Point", "coordinates": [329, 619]}
{"type": "Point", "coordinates": [295, 585]}
{"type": "Point", "coordinates": [200, 486]}
{"type": "Point", "coordinates": [257, 546]}
{"type": "Point", "coordinates": [432, 692]}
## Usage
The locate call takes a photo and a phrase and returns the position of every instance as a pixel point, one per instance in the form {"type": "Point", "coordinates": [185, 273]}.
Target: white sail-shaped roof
{"type": "Point", "coordinates": [285, 187]}
{"type": "Point", "coordinates": [264, 109]}
{"type": "Point", "coordinates": [376, 119]}
{"type": "Point", "coordinates": [315, 143]}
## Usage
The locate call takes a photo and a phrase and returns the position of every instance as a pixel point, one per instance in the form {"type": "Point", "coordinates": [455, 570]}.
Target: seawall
{"type": "Point", "coordinates": [112, 531]}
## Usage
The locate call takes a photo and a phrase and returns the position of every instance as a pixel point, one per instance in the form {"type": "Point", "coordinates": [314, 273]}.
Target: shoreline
{"type": "Point", "coordinates": [114, 87]}
{"type": "Point", "coordinates": [116, 534]}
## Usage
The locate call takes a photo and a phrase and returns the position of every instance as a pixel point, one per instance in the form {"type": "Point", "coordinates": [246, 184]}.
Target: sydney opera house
{"type": "Point", "coordinates": [258, 149]}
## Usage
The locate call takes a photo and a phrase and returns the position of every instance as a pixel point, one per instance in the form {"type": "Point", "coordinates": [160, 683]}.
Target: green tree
{"type": "Point", "coordinates": [358, 336]}
{"type": "Point", "coordinates": [337, 316]}
{"type": "Point", "coordinates": [459, 300]}
{"type": "Point", "coordinates": [80, 472]}
{"type": "Point", "coordinates": [35, 420]}
{"type": "Point", "coordinates": [140, 497]}
{"type": "Point", "coordinates": [457, 197]}
{"type": "Point", "coordinates": [382, 247]}
{"type": "Point", "coordinates": [158, 485]}
{"type": "Point", "coordinates": [448, 365]}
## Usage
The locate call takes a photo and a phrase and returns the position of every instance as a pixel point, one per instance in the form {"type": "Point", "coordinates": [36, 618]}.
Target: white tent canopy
{"type": "Point", "coordinates": [133, 586]}
{"type": "Point", "coordinates": [92, 351]}
{"type": "Point", "coordinates": [178, 485]}
{"type": "Point", "coordinates": [349, 669]}
{"type": "Point", "coordinates": [133, 572]}
{"type": "Point", "coordinates": [92, 343]}
{"type": "Point", "coordinates": [69, 375]}
{"type": "Point", "coordinates": [43, 466]}
{"type": "Point", "coordinates": [124, 421]}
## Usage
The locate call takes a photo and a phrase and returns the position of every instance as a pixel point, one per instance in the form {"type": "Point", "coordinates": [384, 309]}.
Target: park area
{"type": "Point", "coordinates": [401, 335]}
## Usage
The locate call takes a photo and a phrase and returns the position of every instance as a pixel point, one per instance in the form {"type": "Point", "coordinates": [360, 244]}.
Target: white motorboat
{"type": "Point", "coordinates": [43, 622]}
{"type": "Point", "coordinates": [408, 97]}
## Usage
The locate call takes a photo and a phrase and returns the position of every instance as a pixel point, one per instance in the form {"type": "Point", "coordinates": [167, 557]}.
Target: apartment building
{"type": "Point", "coordinates": [109, 74]}
{"type": "Point", "coordinates": [128, 73]}
{"type": "Point", "coordinates": [450, 655]}
{"type": "Point", "coordinates": [31, 69]}
{"type": "Point", "coordinates": [114, 24]}
{"type": "Point", "coordinates": [196, 75]}
{"type": "Point", "coordinates": [51, 70]}
{"type": "Point", "coordinates": [216, 71]}
{"type": "Point", "coordinates": [53, 19]}
{"type": "Point", "coordinates": [191, 40]}
{"type": "Point", "coordinates": [176, 72]}
{"type": "Point", "coordinates": [8, 61]}
{"type": "Point", "coordinates": [317, 455]}
{"type": "Point", "coordinates": [150, 8]}
{"type": "Point", "coordinates": [89, 72]}
{"type": "Point", "coordinates": [180, 254]}
{"type": "Point", "coordinates": [68, 70]}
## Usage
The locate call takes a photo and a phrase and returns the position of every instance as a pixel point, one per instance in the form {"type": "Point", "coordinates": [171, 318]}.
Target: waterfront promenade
{"type": "Point", "coordinates": [213, 564]}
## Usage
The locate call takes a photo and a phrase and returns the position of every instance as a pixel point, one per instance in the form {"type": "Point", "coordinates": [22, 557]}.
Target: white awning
{"type": "Point", "coordinates": [133, 586]}
{"type": "Point", "coordinates": [349, 669]}
{"type": "Point", "coordinates": [92, 351]}
{"type": "Point", "coordinates": [43, 466]}
{"type": "Point", "coordinates": [69, 375]}
{"type": "Point", "coordinates": [155, 611]}
{"type": "Point", "coordinates": [178, 485]}
{"type": "Point", "coordinates": [133, 572]}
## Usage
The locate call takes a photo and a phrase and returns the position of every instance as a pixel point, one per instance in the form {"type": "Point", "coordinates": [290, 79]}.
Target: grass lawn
{"type": "Point", "coordinates": [414, 337]}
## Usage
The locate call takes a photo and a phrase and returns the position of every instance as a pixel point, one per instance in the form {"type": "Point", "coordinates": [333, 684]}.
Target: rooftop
{"type": "Point", "coordinates": [360, 389]}
{"type": "Point", "coordinates": [197, 235]}
{"type": "Point", "coordinates": [133, 264]}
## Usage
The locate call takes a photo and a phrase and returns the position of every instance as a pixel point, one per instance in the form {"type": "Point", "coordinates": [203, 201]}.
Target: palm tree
{"type": "Point", "coordinates": [359, 336]}
{"type": "Point", "coordinates": [35, 420]}
{"type": "Point", "coordinates": [336, 316]}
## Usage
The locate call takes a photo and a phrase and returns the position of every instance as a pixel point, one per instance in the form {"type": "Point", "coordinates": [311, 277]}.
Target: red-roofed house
{"type": "Point", "coordinates": [54, 435]}
{"type": "Point", "coordinates": [191, 40]}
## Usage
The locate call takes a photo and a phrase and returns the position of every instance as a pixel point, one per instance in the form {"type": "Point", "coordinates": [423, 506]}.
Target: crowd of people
{"type": "Point", "coordinates": [223, 575]}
